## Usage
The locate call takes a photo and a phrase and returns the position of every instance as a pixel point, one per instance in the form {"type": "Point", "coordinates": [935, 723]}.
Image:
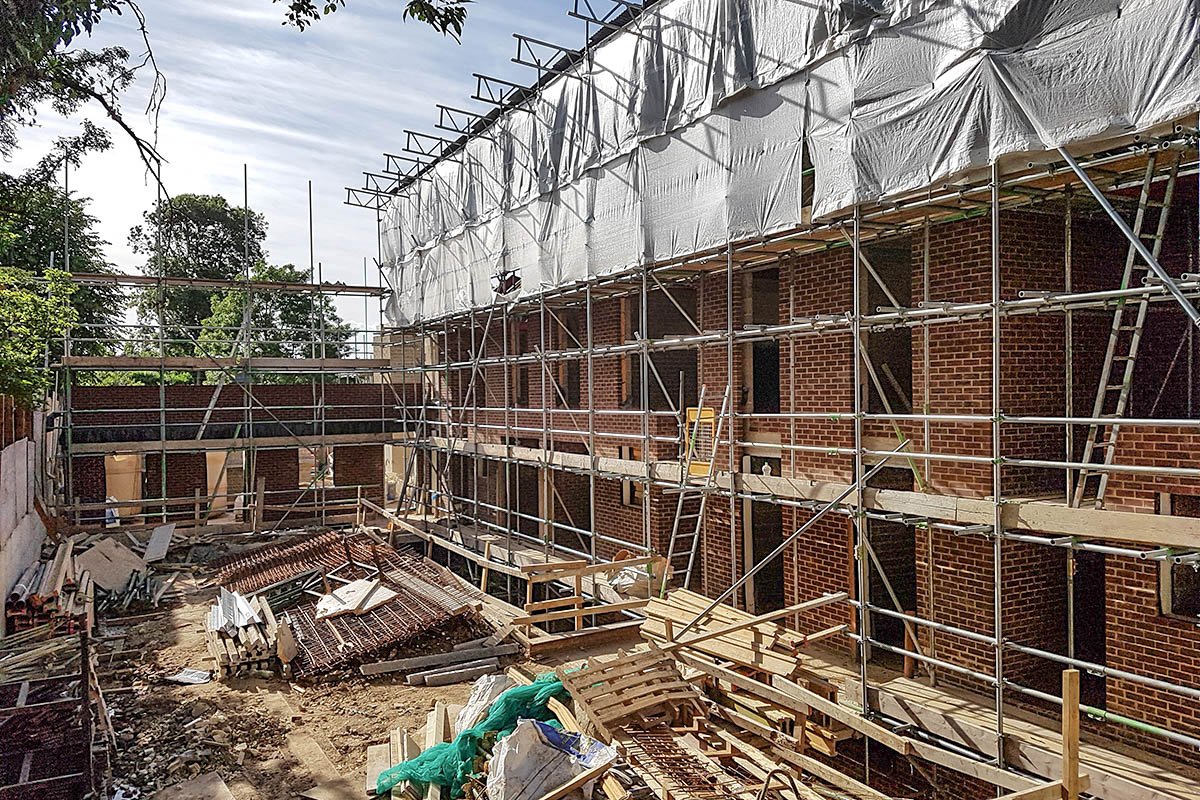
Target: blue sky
{"type": "Point", "coordinates": [319, 105]}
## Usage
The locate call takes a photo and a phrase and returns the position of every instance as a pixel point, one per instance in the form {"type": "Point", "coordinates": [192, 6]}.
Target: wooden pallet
{"type": "Point", "coordinates": [644, 688]}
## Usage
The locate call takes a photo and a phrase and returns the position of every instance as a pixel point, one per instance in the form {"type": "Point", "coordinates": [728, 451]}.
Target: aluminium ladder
{"type": "Point", "coordinates": [693, 497]}
{"type": "Point", "coordinates": [1124, 340]}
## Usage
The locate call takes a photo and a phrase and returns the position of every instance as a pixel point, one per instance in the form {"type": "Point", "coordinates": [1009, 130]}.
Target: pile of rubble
{"type": "Point", "coordinates": [333, 602]}
{"type": "Point", "coordinates": [77, 577]}
{"type": "Point", "coordinates": [162, 741]}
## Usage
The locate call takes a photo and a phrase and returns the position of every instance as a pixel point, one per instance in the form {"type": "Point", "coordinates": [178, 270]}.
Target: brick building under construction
{"type": "Point", "coordinates": [889, 300]}
{"type": "Point", "coordinates": [872, 308]}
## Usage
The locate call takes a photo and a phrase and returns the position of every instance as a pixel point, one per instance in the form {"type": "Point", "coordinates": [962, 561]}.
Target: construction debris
{"type": "Point", "coordinates": [439, 660]}
{"type": "Point", "coordinates": [357, 597]}
{"type": "Point", "coordinates": [333, 601]}
{"type": "Point", "coordinates": [58, 589]}
{"type": "Point", "coordinates": [539, 761]}
{"type": "Point", "coordinates": [110, 563]}
{"type": "Point", "coordinates": [54, 727]}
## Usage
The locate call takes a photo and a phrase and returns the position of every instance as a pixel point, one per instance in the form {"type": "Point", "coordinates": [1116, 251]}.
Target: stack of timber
{"type": "Point", "coordinates": [727, 644]}
{"type": "Point", "coordinates": [661, 727]}
{"type": "Point", "coordinates": [240, 648]}
{"type": "Point", "coordinates": [403, 745]}
{"type": "Point", "coordinates": [38, 653]}
{"type": "Point", "coordinates": [53, 590]}
{"type": "Point", "coordinates": [466, 662]}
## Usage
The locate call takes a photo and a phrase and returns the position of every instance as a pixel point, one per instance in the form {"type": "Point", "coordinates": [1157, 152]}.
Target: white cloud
{"type": "Point", "coordinates": [319, 105]}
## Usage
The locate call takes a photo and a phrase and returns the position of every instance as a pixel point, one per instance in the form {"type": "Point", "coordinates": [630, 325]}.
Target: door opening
{"type": "Point", "coordinates": [765, 534]}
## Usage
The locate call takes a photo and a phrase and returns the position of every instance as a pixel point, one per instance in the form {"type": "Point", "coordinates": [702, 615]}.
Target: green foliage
{"type": "Point", "coordinates": [193, 236]}
{"type": "Point", "coordinates": [33, 209]}
{"type": "Point", "coordinates": [445, 16]}
{"type": "Point", "coordinates": [32, 311]}
{"type": "Point", "coordinates": [283, 324]}
{"type": "Point", "coordinates": [39, 67]}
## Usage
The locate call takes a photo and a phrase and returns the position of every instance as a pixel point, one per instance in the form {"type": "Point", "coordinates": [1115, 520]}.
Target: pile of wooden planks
{"type": "Point", "coordinates": [403, 746]}
{"type": "Point", "coordinates": [466, 662]}
{"type": "Point", "coordinates": [727, 642]}
{"type": "Point", "coordinates": [254, 646]}
{"type": "Point", "coordinates": [53, 590]}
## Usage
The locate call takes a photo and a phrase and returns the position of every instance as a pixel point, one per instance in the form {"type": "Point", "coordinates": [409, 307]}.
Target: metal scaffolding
{"type": "Point", "coordinates": [1073, 185]}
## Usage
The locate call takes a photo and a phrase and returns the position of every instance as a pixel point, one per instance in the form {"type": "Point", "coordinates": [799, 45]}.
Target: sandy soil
{"type": "Point", "coordinates": [268, 738]}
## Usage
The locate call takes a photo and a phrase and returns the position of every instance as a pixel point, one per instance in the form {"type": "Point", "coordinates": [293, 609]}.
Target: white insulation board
{"type": "Point", "coordinates": [689, 129]}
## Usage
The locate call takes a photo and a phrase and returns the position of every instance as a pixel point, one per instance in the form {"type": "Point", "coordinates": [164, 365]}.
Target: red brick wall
{"type": "Point", "coordinates": [961, 574]}
{"type": "Point", "coordinates": [355, 465]}
{"type": "Point", "coordinates": [1032, 374]}
{"type": "Point", "coordinates": [349, 406]}
{"type": "Point", "coordinates": [1143, 641]}
{"type": "Point", "coordinates": [185, 473]}
{"type": "Point", "coordinates": [88, 484]}
{"type": "Point", "coordinates": [820, 562]}
{"type": "Point", "coordinates": [822, 380]}
{"type": "Point", "coordinates": [1153, 446]}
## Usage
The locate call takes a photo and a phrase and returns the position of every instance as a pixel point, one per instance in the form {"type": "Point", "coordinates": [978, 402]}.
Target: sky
{"type": "Point", "coordinates": [320, 105]}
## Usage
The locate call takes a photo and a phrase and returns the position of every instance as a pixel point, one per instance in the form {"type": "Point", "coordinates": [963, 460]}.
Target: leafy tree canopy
{"type": "Point", "coordinates": [445, 16]}
{"type": "Point", "coordinates": [193, 236]}
{"type": "Point", "coordinates": [283, 324]}
{"type": "Point", "coordinates": [33, 209]}
{"type": "Point", "coordinates": [40, 65]}
{"type": "Point", "coordinates": [32, 311]}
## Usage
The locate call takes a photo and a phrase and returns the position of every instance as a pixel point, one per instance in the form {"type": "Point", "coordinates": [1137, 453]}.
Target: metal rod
{"type": "Point", "coordinates": [1133, 238]}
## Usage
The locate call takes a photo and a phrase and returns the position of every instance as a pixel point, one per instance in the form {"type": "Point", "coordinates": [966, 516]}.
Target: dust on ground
{"type": "Point", "coordinates": [266, 736]}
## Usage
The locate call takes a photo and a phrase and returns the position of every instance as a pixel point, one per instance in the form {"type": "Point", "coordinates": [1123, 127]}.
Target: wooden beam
{"type": "Point", "coordinates": [795, 697]}
{"type": "Point", "coordinates": [1042, 516]}
{"type": "Point", "coordinates": [808, 605]}
{"type": "Point", "coordinates": [1070, 734]}
{"type": "Point", "coordinates": [591, 569]}
{"type": "Point", "coordinates": [572, 613]}
{"type": "Point", "coordinates": [218, 362]}
{"type": "Point", "coordinates": [437, 730]}
{"type": "Point", "coordinates": [217, 283]}
{"type": "Point", "coordinates": [579, 780]}
{"type": "Point", "coordinates": [203, 445]}
{"type": "Point", "coordinates": [445, 544]}
{"type": "Point", "coordinates": [1044, 791]}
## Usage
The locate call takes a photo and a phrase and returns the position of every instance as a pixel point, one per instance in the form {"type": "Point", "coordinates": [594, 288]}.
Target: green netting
{"type": "Point", "coordinates": [450, 764]}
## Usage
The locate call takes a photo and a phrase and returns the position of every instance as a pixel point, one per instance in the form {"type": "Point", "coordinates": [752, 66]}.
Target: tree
{"type": "Point", "coordinates": [283, 324]}
{"type": "Point", "coordinates": [193, 236]}
{"type": "Point", "coordinates": [32, 312]}
{"type": "Point", "coordinates": [445, 16]}
{"type": "Point", "coordinates": [33, 207]}
{"type": "Point", "coordinates": [39, 67]}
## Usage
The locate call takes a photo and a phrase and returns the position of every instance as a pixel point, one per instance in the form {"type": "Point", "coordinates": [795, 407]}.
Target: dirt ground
{"type": "Point", "coordinates": [267, 737]}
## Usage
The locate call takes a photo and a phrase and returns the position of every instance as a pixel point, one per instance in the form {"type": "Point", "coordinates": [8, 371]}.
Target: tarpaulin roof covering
{"type": "Point", "coordinates": [692, 127]}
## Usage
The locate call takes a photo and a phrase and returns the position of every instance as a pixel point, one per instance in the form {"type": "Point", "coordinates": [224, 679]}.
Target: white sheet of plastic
{"type": "Point", "coordinates": [689, 129]}
{"type": "Point", "coordinates": [483, 692]}
{"type": "Point", "coordinates": [536, 758]}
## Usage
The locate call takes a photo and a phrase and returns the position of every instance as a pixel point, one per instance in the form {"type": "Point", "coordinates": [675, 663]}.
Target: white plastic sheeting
{"type": "Point", "coordinates": [690, 128]}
